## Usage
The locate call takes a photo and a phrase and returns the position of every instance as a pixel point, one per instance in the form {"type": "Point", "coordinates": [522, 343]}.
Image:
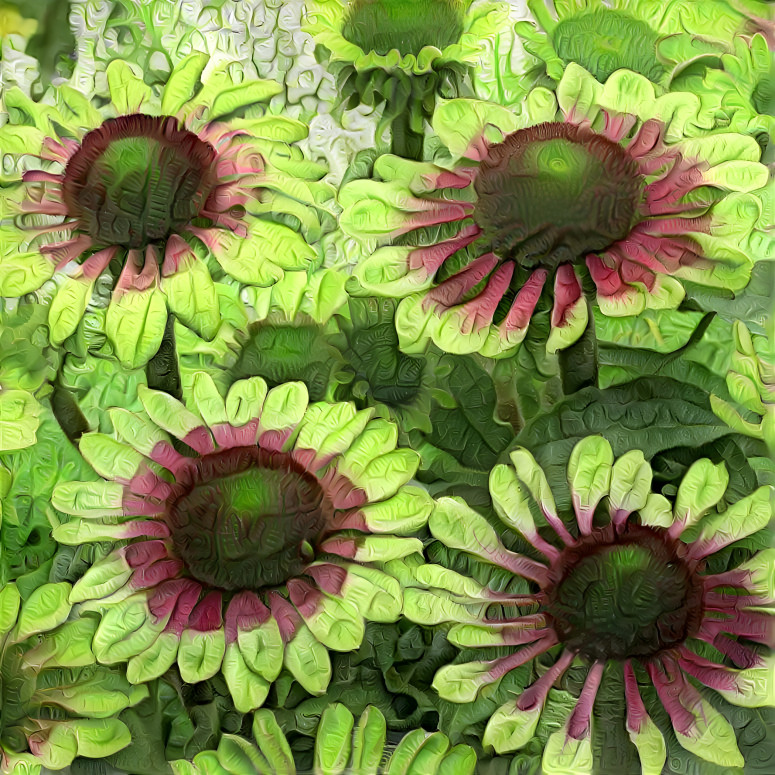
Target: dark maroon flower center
{"type": "Point", "coordinates": [137, 179]}
{"type": "Point", "coordinates": [553, 193]}
{"type": "Point", "coordinates": [628, 597]}
{"type": "Point", "coordinates": [249, 519]}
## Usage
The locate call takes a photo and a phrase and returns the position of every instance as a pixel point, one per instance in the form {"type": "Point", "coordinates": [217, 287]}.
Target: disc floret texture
{"type": "Point", "coordinates": [258, 550]}
{"type": "Point", "coordinates": [341, 745]}
{"type": "Point", "coordinates": [623, 586]}
{"type": "Point", "coordinates": [143, 189]}
{"type": "Point", "coordinates": [56, 703]}
{"type": "Point", "coordinates": [593, 181]}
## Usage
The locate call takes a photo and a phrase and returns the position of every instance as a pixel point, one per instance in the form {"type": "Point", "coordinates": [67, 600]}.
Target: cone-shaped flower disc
{"type": "Point", "coordinates": [596, 180]}
{"type": "Point", "coordinates": [143, 189]}
{"type": "Point", "coordinates": [601, 37]}
{"type": "Point", "coordinates": [55, 703]}
{"type": "Point", "coordinates": [622, 587]}
{"type": "Point", "coordinates": [341, 745]}
{"type": "Point", "coordinates": [254, 552]}
{"type": "Point", "coordinates": [402, 52]}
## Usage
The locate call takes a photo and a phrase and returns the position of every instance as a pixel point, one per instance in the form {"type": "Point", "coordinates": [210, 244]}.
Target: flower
{"type": "Point", "coordinates": [620, 590]}
{"type": "Point", "coordinates": [259, 549]}
{"type": "Point", "coordinates": [597, 180]}
{"type": "Point", "coordinates": [144, 194]}
{"type": "Point", "coordinates": [599, 37]}
{"type": "Point", "coordinates": [56, 703]}
{"type": "Point", "coordinates": [402, 53]}
{"type": "Point", "coordinates": [340, 746]}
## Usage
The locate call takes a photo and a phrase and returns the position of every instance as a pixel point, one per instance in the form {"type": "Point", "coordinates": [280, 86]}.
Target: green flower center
{"type": "Point", "coordinates": [250, 519]}
{"type": "Point", "coordinates": [632, 598]}
{"type": "Point", "coordinates": [553, 193]}
{"type": "Point", "coordinates": [137, 179]}
{"type": "Point", "coordinates": [405, 25]}
{"type": "Point", "coordinates": [605, 40]}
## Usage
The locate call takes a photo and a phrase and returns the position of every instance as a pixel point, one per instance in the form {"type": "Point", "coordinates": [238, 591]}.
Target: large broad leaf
{"type": "Point", "coordinates": [651, 414]}
{"type": "Point", "coordinates": [26, 546]}
{"type": "Point", "coordinates": [464, 420]}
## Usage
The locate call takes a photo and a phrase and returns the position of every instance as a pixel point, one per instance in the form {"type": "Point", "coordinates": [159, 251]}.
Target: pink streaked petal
{"type": "Point", "coordinates": [480, 310]}
{"type": "Point", "coordinates": [519, 635]}
{"type": "Point", "coordinates": [578, 723]}
{"type": "Point", "coordinates": [245, 612]}
{"type": "Point", "coordinates": [129, 275]}
{"type": "Point", "coordinates": [478, 149]}
{"type": "Point", "coordinates": [45, 207]}
{"type": "Point", "coordinates": [286, 616]}
{"type": "Point", "coordinates": [274, 440]}
{"type": "Point", "coordinates": [65, 252]}
{"type": "Point", "coordinates": [607, 279]}
{"type": "Point", "coordinates": [743, 656]}
{"type": "Point", "coordinates": [98, 262]}
{"type": "Point", "coordinates": [636, 710]}
{"type": "Point", "coordinates": [41, 176]}
{"type": "Point", "coordinates": [670, 687]}
{"type": "Point", "coordinates": [61, 152]}
{"type": "Point", "coordinates": [506, 664]}
{"type": "Point", "coordinates": [155, 574]}
{"type": "Point", "coordinates": [342, 493]}
{"type": "Point", "coordinates": [730, 578]}
{"type": "Point", "coordinates": [647, 140]}
{"type": "Point", "coordinates": [452, 290]}
{"type": "Point", "coordinates": [226, 222]}
{"type": "Point", "coordinates": [709, 673]}
{"type": "Point", "coordinates": [617, 126]}
{"type": "Point", "coordinates": [674, 226]}
{"type": "Point", "coordinates": [168, 457]}
{"type": "Point", "coordinates": [535, 694]}
{"type": "Point", "coordinates": [329, 577]}
{"type": "Point", "coordinates": [567, 291]}
{"type": "Point", "coordinates": [727, 601]}
{"type": "Point", "coordinates": [306, 458]}
{"type": "Point", "coordinates": [226, 196]}
{"type": "Point", "coordinates": [754, 625]}
{"type": "Point", "coordinates": [148, 484]}
{"type": "Point", "coordinates": [147, 528]}
{"type": "Point", "coordinates": [343, 547]}
{"type": "Point", "coordinates": [460, 178]}
{"type": "Point", "coordinates": [524, 304]}
{"type": "Point", "coordinates": [214, 132]}
{"type": "Point", "coordinates": [208, 613]}
{"type": "Point", "coordinates": [210, 238]}
{"type": "Point", "coordinates": [635, 274]}
{"type": "Point", "coordinates": [432, 257]}
{"type": "Point", "coordinates": [661, 254]}
{"type": "Point", "coordinates": [432, 212]}
{"type": "Point", "coordinates": [227, 436]}
{"type": "Point", "coordinates": [238, 165]}
{"type": "Point", "coordinates": [674, 184]}
{"type": "Point", "coordinates": [352, 519]}
{"type": "Point", "coordinates": [200, 440]}
{"type": "Point", "coordinates": [145, 553]}
{"type": "Point", "coordinates": [181, 596]}
{"type": "Point", "coordinates": [304, 597]}
{"type": "Point", "coordinates": [177, 256]}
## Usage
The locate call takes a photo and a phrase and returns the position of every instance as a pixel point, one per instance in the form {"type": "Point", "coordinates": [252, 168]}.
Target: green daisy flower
{"type": "Point", "coordinates": [259, 549]}
{"type": "Point", "coordinates": [601, 37]}
{"type": "Point", "coordinates": [232, 187]}
{"type": "Point", "coordinates": [340, 746]}
{"type": "Point", "coordinates": [625, 586]}
{"type": "Point", "coordinates": [592, 180]}
{"type": "Point", "coordinates": [403, 54]}
{"type": "Point", "coordinates": [56, 703]}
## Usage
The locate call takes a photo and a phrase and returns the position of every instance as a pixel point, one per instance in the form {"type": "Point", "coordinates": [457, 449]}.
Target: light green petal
{"type": "Point", "coordinates": [68, 306]}
{"type": "Point", "coordinates": [135, 325]}
{"type": "Point", "coordinates": [19, 419]}
{"type": "Point", "coordinates": [308, 661]}
{"type": "Point", "coordinates": [10, 599]}
{"type": "Point", "coordinates": [333, 742]}
{"type": "Point", "coordinates": [200, 654]}
{"type": "Point", "coordinates": [284, 408]}
{"type": "Point", "coordinates": [630, 482]}
{"type": "Point", "coordinates": [207, 399]}
{"type": "Point", "coordinates": [262, 649]}
{"type": "Point", "coordinates": [191, 296]}
{"type": "Point", "coordinates": [336, 624]}
{"type": "Point", "coordinates": [713, 738]}
{"type": "Point", "coordinates": [182, 82]}
{"type": "Point", "coordinates": [651, 747]}
{"type": "Point", "coordinates": [110, 458]}
{"type": "Point", "coordinates": [430, 607]}
{"type": "Point", "coordinates": [565, 755]}
{"type": "Point", "coordinates": [248, 689]}
{"type": "Point", "coordinates": [103, 578]}
{"type": "Point", "coordinates": [702, 487]}
{"type": "Point", "coordinates": [155, 660]}
{"type": "Point", "coordinates": [405, 512]}
{"type": "Point", "coordinates": [43, 610]}
{"type": "Point", "coordinates": [510, 729]}
{"type": "Point", "coordinates": [461, 683]}
{"type": "Point", "coordinates": [418, 753]}
{"type": "Point", "coordinates": [85, 499]}
{"type": "Point", "coordinates": [510, 500]}
{"type": "Point", "coordinates": [741, 519]}
{"type": "Point", "coordinates": [245, 400]}
{"type": "Point", "coordinates": [658, 511]}
{"type": "Point", "coordinates": [589, 475]}
{"type": "Point", "coordinates": [576, 320]}
{"type": "Point", "coordinates": [273, 743]}
{"type": "Point", "coordinates": [22, 273]}
{"type": "Point", "coordinates": [375, 594]}
{"type": "Point", "coordinates": [238, 756]}
{"type": "Point", "coordinates": [168, 413]}
{"type": "Point", "coordinates": [755, 686]}
{"type": "Point", "coordinates": [126, 629]}
{"type": "Point", "coordinates": [369, 741]}
{"type": "Point", "coordinates": [459, 123]}
{"type": "Point", "coordinates": [128, 91]}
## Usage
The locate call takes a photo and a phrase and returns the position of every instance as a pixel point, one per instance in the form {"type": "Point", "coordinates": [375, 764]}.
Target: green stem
{"type": "Point", "coordinates": [162, 371]}
{"type": "Point", "coordinates": [405, 141]}
{"type": "Point", "coordinates": [579, 362]}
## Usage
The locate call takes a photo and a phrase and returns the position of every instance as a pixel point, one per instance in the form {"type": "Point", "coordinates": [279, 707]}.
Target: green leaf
{"type": "Point", "coordinates": [135, 325]}
{"type": "Point", "coordinates": [19, 419]}
{"type": "Point", "coordinates": [650, 414]}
